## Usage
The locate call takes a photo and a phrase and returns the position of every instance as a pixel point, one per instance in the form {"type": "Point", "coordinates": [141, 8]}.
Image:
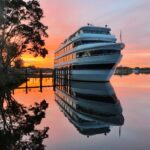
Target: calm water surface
{"type": "Point", "coordinates": [93, 116]}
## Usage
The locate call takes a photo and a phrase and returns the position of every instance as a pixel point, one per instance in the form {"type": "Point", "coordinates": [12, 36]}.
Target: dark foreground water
{"type": "Point", "coordinates": [85, 116]}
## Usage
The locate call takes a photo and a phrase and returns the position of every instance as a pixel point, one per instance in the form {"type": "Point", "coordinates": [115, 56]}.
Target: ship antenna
{"type": "Point", "coordinates": [89, 24]}
{"type": "Point", "coordinates": [120, 36]}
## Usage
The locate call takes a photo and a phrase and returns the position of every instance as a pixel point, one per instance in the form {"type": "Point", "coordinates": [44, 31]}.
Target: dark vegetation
{"type": "Point", "coordinates": [122, 70]}
{"type": "Point", "coordinates": [21, 29]}
{"type": "Point", "coordinates": [18, 123]}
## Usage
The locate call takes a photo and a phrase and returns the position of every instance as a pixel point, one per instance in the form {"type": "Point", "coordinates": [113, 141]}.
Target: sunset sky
{"type": "Point", "coordinates": [132, 17]}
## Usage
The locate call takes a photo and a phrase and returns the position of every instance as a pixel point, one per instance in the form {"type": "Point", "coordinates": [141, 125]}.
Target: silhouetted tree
{"type": "Point", "coordinates": [18, 124]}
{"type": "Point", "coordinates": [21, 29]}
{"type": "Point", "coordinates": [18, 63]}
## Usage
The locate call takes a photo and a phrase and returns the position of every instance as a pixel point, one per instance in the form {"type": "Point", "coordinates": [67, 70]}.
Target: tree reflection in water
{"type": "Point", "coordinates": [18, 124]}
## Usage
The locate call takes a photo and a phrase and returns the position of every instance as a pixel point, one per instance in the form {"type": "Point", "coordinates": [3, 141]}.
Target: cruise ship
{"type": "Point", "coordinates": [91, 107]}
{"type": "Point", "coordinates": [90, 54]}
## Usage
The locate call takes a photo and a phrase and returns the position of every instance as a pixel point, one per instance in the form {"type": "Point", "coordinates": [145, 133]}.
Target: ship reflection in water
{"type": "Point", "coordinates": [92, 108]}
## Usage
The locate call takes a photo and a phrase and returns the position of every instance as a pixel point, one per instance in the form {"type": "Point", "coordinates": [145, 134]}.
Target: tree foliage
{"type": "Point", "coordinates": [21, 29]}
{"type": "Point", "coordinates": [18, 123]}
{"type": "Point", "coordinates": [18, 63]}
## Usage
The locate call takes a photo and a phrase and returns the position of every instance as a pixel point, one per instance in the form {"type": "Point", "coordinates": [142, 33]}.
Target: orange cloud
{"type": "Point", "coordinates": [29, 60]}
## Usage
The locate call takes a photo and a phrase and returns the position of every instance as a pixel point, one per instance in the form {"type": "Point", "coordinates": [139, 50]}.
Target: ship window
{"type": "Point", "coordinates": [96, 53]}
{"type": "Point", "coordinates": [91, 41]}
{"type": "Point", "coordinates": [79, 55]}
{"type": "Point", "coordinates": [77, 43]}
{"type": "Point", "coordinates": [86, 54]}
{"type": "Point", "coordinates": [82, 54]}
{"type": "Point", "coordinates": [97, 31]}
{"type": "Point", "coordinates": [104, 52]}
{"type": "Point", "coordinates": [70, 47]}
{"type": "Point", "coordinates": [88, 42]}
{"type": "Point", "coordinates": [81, 31]}
{"type": "Point", "coordinates": [77, 34]}
{"type": "Point", "coordinates": [93, 66]}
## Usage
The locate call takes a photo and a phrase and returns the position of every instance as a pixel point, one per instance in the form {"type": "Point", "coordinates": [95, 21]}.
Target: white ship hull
{"type": "Point", "coordinates": [98, 74]}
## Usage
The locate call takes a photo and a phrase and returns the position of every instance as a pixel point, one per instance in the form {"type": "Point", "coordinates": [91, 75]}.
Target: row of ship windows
{"type": "Point", "coordinates": [67, 48]}
{"type": "Point", "coordinates": [77, 43]}
{"type": "Point", "coordinates": [96, 31]}
{"type": "Point", "coordinates": [90, 31]}
{"type": "Point", "coordinates": [96, 53]}
{"type": "Point", "coordinates": [65, 98]}
{"type": "Point", "coordinates": [85, 54]}
{"type": "Point", "coordinates": [65, 58]}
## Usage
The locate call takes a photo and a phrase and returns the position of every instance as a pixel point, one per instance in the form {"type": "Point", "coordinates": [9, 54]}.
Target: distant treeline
{"type": "Point", "coordinates": [123, 70]}
{"type": "Point", "coordinates": [31, 71]}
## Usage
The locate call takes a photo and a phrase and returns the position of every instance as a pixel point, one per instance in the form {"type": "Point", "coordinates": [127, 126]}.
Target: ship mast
{"type": "Point", "coordinates": [120, 36]}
